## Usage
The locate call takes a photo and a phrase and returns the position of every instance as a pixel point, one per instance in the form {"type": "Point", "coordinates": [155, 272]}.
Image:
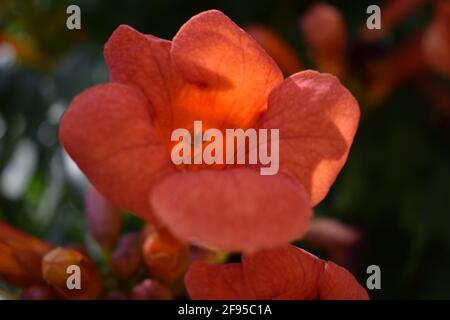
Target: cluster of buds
{"type": "Point", "coordinates": [41, 269]}
{"type": "Point", "coordinates": [145, 265]}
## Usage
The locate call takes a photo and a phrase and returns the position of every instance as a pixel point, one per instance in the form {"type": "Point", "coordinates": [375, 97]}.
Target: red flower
{"type": "Point", "coordinates": [288, 273]}
{"type": "Point", "coordinates": [119, 134]}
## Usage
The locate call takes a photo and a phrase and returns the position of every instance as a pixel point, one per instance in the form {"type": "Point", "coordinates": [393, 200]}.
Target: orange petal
{"type": "Point", "coordinates": [108, 132]}
{"type": "Point", "coordinates": [277, 48]}
{"type": "Point", "coordinates": [105, 220]}
{"type": "Point", "coordinates": [286, 273]}
{"type": "Point", "coordinates": [54, 270]}
{"type": "Point", "coordinates": [317, 118]}
{"type": "Point", "coordinates": [436, 43]}
{"type": "Point", "coordinates": [324, 30]}
{"type": "Point", "coordinates": [339, 284]}
{"type": "Point", "coordinates": [229, 75]}
{"type": "Point", "coordinates": [229, 209]}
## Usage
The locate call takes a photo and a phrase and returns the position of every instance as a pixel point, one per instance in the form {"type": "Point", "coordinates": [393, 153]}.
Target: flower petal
{"type": "Point", "coordinates": [230, 75]}
{"type": "Point", "coordinates": [117, 147]}
{"type": "Point", "coordinates": [127, 257]}
{"type": "Point", "coordinates": [144, 61]}
{"type": "Point", "coordinates": [317, 118]}
{"type": "Point", "coordinates": [233, 209]}
{"type": "Point", "coordinates": [286, 273]}
{"type": "Point", "coordinates": [104, 220]}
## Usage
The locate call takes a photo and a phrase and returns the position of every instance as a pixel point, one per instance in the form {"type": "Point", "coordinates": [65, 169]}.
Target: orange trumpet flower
{"type": "Point", "coordinates": [119, 134]}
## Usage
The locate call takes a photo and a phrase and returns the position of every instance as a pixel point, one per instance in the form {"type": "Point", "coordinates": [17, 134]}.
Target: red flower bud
{"type": "Point", "coordinates": [126, 258]}
{"type": "Point", "coordinates": [39, 293]}
{"type": "Point", "coordinates": [150, 290]}
{"type": "Point", "coordinates": [165, 257]}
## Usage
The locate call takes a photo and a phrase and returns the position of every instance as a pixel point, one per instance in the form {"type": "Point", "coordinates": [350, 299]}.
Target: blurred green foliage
{"type": "Point", "coordinates": [395, 186]}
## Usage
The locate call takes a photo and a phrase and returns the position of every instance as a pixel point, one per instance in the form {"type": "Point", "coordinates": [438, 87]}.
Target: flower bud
{"type": "Point", "coordinates": [328, 46]}
{"type": "Point", "coordinates": [62, 267]}
{"type": "Point", "coordinates": [277, 48]}
{"type": "Point", "coordinates": [126, 258]}
{"type": "Point", "coordinates": [165, 257]}
{"type": "Point", "coordinates": [114, 295]}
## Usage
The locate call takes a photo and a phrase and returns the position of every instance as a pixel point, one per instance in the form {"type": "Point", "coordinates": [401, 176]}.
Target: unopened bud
{"type": "Point", "coordinates": [38, 293]}
{"type": "Point", "coordinates": [71, 274]}
{"type": "Point", "coordinates": [150, 290]}
{"type": "Point", "coordinates": [126, 258]}
{"type": "Point", "coordinates": [105, 220]}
